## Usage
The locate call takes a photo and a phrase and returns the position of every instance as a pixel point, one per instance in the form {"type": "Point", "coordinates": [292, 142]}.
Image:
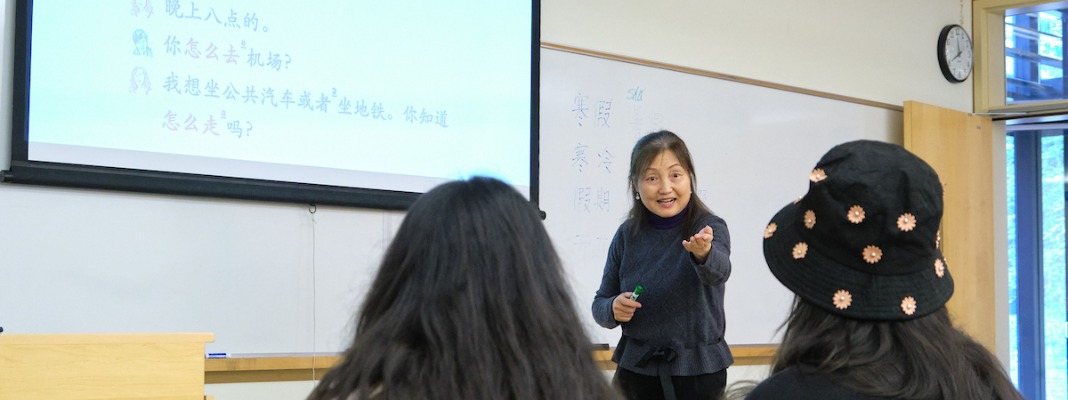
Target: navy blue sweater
{"type": "Point", "coordinates": [682, 305]}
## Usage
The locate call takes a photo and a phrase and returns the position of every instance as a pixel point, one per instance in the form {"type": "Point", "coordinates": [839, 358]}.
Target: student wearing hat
{"type": "Point", "coordinates": [861, 252]}
{"type": "Point", "coordinates": [672, 345]}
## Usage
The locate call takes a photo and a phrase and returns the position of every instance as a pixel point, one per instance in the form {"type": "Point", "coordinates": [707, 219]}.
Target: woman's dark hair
{"type": "Point", "coordinates": [922, 358]}
{"type": "Point", "coordinates": [470, 302]}
{"type": "Point", "coordinates": [645, 151]}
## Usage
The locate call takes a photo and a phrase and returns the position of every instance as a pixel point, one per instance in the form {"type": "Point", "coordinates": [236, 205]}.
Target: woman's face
{"type": "Point", "coordinates": [665, 186]}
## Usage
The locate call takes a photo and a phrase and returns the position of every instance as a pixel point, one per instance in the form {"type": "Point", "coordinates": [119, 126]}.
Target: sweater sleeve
{"type": "Point", "coordinates": [717, 267]}
{"type": "Point", "coordinates": [606, 294]}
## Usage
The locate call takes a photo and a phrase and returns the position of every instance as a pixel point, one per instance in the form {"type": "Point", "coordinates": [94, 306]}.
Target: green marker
{"type": "Point", "coordinates": [637, 291]}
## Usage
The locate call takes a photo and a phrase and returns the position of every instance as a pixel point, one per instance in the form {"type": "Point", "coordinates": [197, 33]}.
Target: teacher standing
{"type": "Point", "coordinates": [679, 252]}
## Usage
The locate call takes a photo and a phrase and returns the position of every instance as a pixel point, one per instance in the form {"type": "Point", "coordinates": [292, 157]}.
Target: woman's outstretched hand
{"type": "Point", "coordinates": [700, 244]}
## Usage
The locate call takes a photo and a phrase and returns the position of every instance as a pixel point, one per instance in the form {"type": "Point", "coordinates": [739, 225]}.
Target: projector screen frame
{"type": "Point", "coordinates": [22, 170]}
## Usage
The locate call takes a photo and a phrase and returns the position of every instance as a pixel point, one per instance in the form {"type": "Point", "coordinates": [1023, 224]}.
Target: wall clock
{"type": "Point", "coordinates": [955, 53]}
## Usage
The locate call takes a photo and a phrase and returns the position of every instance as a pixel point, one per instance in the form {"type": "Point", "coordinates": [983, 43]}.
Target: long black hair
{"type": "Point", "coordinates": [645, 151]}
{"type": "Point", "coordinates": [922, 358]}
{"type": "Point", "coordinates": [470, 302]}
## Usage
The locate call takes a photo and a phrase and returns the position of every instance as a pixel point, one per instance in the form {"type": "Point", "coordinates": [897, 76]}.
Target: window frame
{"type": "Point", "coordinates": [988, 31]}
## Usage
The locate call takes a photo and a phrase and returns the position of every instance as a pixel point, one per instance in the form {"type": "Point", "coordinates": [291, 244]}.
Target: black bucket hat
{"type": "Point", "coordinates": [863, 243]}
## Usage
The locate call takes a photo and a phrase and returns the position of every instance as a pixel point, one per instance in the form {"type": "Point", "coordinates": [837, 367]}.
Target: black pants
{"type": "Point", "coordinates": [636, 386]}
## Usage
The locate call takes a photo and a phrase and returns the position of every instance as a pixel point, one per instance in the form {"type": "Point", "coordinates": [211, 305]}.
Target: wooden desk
{"type": "Point", "coordinates": [753, 354]}
{"type": "Point", "coordinates": [276, 367]}
{"type": "Point", "coordinates": [103, 366]}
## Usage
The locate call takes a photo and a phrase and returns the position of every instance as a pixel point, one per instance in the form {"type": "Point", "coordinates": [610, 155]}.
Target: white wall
{"type": "Point", "coordinates": [875, 50]}
{"type": "Point", "coordinates": [195, 249]}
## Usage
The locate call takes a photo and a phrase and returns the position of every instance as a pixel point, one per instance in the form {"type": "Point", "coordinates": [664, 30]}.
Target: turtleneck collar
{"type": "Point", "coordinates": [659, 222]}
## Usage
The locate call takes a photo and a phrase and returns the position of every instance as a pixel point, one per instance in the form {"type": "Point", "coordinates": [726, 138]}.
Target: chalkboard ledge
{"type": "Point", "coordinates": [281, 367]}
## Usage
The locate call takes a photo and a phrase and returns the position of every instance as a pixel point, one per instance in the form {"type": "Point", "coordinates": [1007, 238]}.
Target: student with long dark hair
{"type": "Point", "coordinates": [470, 302]}
{"type": "Point", "coordinates": [678, 251]}
{"type": "Point", "coordinates": [861, 251]}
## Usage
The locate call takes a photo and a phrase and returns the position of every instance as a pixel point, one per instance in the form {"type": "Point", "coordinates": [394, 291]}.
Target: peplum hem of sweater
{"type": "Point", "coordinates": [691, 359]}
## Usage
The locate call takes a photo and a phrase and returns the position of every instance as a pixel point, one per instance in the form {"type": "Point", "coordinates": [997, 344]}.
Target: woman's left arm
{"type": "Point", "coordinates": [716, 267]}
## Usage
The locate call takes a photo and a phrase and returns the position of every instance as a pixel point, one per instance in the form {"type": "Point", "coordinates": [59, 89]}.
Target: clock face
{"type": "Point", "coordinates": [955, 53]}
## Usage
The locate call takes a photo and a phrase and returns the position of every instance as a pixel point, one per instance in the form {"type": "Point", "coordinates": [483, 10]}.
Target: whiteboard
{"type": "Point", "coordinates": [753, 149]}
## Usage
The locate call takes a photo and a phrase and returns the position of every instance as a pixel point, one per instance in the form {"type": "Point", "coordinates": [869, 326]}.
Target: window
{"type": "Point", "coordinates": [1034, 61]}
{"type": "Point", "coordinates": [1036, 212]}
{"type": "Point", "coordinates": [1019, 78]}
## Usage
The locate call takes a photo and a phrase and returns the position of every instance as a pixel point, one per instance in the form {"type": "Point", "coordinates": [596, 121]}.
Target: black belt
{"type": "Point", "coordinates": [664, 356]}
